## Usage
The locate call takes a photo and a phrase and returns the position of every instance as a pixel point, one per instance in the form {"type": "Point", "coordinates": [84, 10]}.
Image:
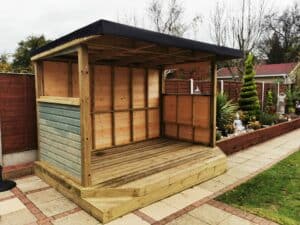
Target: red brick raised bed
{"type": "Point", "coordinates": [238, 143]}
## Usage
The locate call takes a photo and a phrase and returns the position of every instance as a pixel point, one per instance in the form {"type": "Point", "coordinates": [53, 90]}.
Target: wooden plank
{"type": "Point", "coordinates": [121, 88]}
{"type": "Point", "coordinates": [161, 104]}
{"type": "Point", "coordinates": [38, 69]}
{"type": "Point", "coordinates": [122, 127]}
{"type": "Point", "coordinates": [85, 114]}
{"type": "Point", "coordinates": [185, 132]}
{"type": "Point", "coordinates": [153, 123]}
{"type": "Point", "coordinates": [63, 47]}
{"type": "Point", "coordinates": [171, 130]}
{"type": "Point", "coordinates": [112, 87]}
{"type": "Point", "coordinates": [102, 88]}
{"type": "Point", "coordinates": [130, 90]}
{"type": "Point", "coordinates": [55, 78]}
{"type": "Point", "coordinates": [70, 80]}
{"type": "Point", "coordinates": [92, 96]}
{"type": "Point", "coordinates": [213, 102]}
{"type": "Point", "coordinates": [75, 82]}
{"type": "Point", "coordinates": [59, 100]}
{"type": "Point", "coordinates": [184, 109]}
{"type": "Point", "coordinates": [201, 111]}
{"type": "Point", "coordinates": [138, 87]}
{"type": "Point", "coordinates": [153, 88]}
{"type": "Point", "coordinates": [138, 125]}
{"type": "Point", "coordinates": [170, 108]}
{"type": "Point", "coordinates": [103, 130]}
{"type": "Point", "coordinates": [202, 135]}
{"type": "Point", "coordinates": [146, 85]}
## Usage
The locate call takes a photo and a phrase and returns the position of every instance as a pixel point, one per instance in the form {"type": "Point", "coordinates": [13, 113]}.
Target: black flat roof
{"type": "Point", "coordinates": [105, 27]}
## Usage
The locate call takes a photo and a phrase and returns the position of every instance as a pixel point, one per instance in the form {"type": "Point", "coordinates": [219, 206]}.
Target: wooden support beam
{"type": "Point", "coordinates": [38, 71]}
{"type": "Point", "coordinates": [92, 94]}
{"type": "Point", "coordinates": [131, 104]}
{"type": "Point", "coordinates": [113, 106]}
{"type": "Point", "coordinates": [147, 102]}
{"type": "Point", "coordinates": [85, 114]}
{"type": "Point", "coordinates": [161, 110]}
{"type": "Point", "coordinates": [213, 102]}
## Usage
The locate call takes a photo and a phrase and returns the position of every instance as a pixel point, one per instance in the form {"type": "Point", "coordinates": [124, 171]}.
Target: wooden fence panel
{"type": "Point", "coordinates": [17, 113]}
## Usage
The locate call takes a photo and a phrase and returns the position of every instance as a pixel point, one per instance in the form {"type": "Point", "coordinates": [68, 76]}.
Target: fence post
{"type": "Point", "coordinates": [262, 94]}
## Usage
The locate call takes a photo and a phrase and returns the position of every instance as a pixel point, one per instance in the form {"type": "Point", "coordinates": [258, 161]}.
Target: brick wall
{"type": "Point", "coordinates": [238, 143]}
{"type": "Point", "coordinates": [17, 113]}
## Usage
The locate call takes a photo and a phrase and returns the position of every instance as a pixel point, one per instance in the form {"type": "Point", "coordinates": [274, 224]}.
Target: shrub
{"type": "Point", "coordinates": [290, 101]}
{"type": "Point", "coordinates": [248, 100]}
{"type": "Point", "coordinates": [269, 103]}
{"type": "Point", "coordinates": [225, 111]}
{"type": "Point", "coordinates": [267, 118]}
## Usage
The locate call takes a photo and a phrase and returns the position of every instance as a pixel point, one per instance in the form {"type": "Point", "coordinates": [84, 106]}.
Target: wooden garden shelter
{"type": "Point", "coordinates": [109, 137]}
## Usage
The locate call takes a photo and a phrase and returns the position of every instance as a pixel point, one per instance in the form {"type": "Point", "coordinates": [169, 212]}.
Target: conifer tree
{"type": "Point", "coordinates": [248, 100]}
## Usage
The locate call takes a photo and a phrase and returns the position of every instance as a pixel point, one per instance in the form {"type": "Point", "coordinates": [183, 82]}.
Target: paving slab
{"type": "Point", "coordinates": [78, 218]}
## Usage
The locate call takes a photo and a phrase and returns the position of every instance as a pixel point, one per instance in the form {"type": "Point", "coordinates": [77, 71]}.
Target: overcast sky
{"type": "Point", "coordinates": [54, 18]}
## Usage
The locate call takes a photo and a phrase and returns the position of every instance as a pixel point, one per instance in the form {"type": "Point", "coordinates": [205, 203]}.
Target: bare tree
{"type": "Point", "coordinates": [170, 19]}
{"type": "Point", "coordinates": [241, 30]}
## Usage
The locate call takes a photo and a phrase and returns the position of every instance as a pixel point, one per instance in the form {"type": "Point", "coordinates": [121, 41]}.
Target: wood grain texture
{"type": "Point", "coordinates": [59, 137]}
{"type": "Point", "coordinates": [85, 114]}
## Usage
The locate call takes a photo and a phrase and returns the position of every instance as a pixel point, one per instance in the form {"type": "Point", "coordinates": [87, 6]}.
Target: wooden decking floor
{"type": "Point", "coordinates": [119, 166]}
{"type": "Point", "coordinates": [133, 176]}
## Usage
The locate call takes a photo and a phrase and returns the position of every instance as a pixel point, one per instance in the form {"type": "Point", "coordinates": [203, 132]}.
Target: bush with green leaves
{"type": "Point", "coordinates": [226, 111]}
{"type": "Point", "coordinates": [270, 108]}
{"type": "Point", "coordinates": [290, 104]}
{"type": "Point", "coordinates": [248, 100]}
{"type": "Point", "coordinates": [267, 118]}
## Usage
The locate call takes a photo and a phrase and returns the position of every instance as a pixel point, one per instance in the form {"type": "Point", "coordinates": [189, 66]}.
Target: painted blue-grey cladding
{"type": "Point", "coordinates": [60, 141]}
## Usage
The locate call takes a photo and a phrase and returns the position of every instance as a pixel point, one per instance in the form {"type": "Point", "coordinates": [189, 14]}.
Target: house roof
{"type": "Point", "coordinates": [261, 70]}
{"type": "Point", "coordinates": [104, 27]}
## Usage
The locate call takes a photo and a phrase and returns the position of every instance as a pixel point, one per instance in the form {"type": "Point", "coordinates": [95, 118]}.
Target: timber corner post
{"type": "Point", "coordinates": [39, 90]}
{"type": "Point", "coordinates": [85, 114]}
{"type": "Point", "coordinates": [213, 102]}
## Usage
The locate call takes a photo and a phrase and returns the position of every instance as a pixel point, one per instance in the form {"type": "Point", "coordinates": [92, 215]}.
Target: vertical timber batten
{"type": "Point", "coordinates": [85, 114]}
{"type": "Point", "coordinates": [38, 69]}
{"type": "Point", "coordinates": [213, 102]}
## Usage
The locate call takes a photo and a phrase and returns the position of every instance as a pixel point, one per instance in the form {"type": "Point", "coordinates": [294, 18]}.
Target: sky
{"type": "Point", "coordinates": [54, 18]}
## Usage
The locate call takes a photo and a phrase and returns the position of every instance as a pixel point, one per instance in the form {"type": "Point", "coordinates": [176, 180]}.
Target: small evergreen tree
{"type": "Point", "coordinates": [269, 102]}
{"type": "Point", "coordinates": [248, 100]}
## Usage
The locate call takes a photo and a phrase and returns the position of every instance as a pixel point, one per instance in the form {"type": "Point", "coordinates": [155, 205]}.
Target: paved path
{"type": "Point", "coordinates": [34, 202]}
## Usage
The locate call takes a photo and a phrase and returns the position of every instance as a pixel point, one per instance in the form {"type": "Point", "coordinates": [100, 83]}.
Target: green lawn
{"type": "Point", "coordinates": [273, 194]}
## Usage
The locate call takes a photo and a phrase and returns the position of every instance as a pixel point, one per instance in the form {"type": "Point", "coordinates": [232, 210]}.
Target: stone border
{"type": "Point", "coordinates": [238, 143]}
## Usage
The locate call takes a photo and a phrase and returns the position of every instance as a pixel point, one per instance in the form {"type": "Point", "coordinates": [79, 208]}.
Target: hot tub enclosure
{"type": "Point", "coordinates": [100, 93]}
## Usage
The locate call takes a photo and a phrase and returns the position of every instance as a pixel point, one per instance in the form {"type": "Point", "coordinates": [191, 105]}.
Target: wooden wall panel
{"type": "Point", "coordinates": [75, 84]}
{"type": "Point", "coordinates": [184, 110]}
{"type": "Point", "coordinates": [201, 111]}
{"type": "Point", "coordinates": [121, 88]}
{"type": "Point", "coordinates": [193, 120]}
{"type": "Point", "coordinates": [202, 135]}
{"type": "Point", "coordinates": [59, 137]}
{"type": "Point", "coordinates": [139, 125]}
{"type": "Point", "coordinates": [102, 88]}
{"type": "Point", "coordinates": [153, 123]}
{"type": "Point", "coordinates": [170, 108]}
{"type": "Point", "coordinates": [153, 88]}
{"type": "Point", "coordinates": [186, 133]}
{"type": "Point", "coordinates": [102, 130]}
{"type": "Point", "coordinates": [122, 128]}
{"type": "Point", "coordinates": [138, 88]}
{"type": "Point", "coordinates": [171, 130]}
{"type": "Point", "coordinates": [55, 79]}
